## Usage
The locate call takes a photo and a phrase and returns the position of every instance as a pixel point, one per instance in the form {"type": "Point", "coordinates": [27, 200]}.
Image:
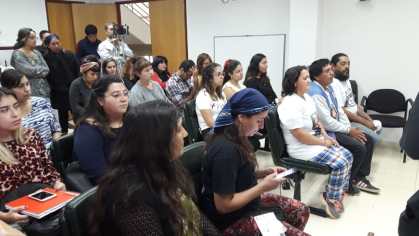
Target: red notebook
{"type": "Point", "coordinates": [39, 209]}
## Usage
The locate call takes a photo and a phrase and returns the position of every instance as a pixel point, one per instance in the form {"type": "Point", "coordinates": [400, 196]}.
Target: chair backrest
{"type": "Point", "coordinates": [276, 137]}
{"type": "Point", "coordinates": [386, 101]}
{"type": "Point", "coordinates": [62, 152]}
{"type": "Point", "coordinates": [77, 213]}
{"type": "Point", "coordinates": [354, 87]}
{"type": "Point", "coordinates": [192, 160]}
{"type": "Point", "coordinates": [75, 179]}
{"type": "Point", "coordinates": [191, 122]}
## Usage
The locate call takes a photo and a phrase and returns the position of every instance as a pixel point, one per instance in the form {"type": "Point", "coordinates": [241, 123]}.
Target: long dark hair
{"type": "Point", "coordinates": [253, 69]}
{"type": "Point", "coordinates": [22, 36]}
{"type": "Point", "coordinates": [164, 75]}
{"type": "Point", "coordinates": [290, 78]}
{"type": "Point", "coordinates": [105, 64]}
{"type": "Point", "coordinates": [200, 62]}
{"type": "Point", "coordinates": [207, 81]}
{"type": "Point", "coordinates": [142, 170]}
{"type": "Point", "coordinates": [10, 78]}
{"type": "Point", "coordinates": [94, 111]}
{"type": "Point", "coordinates": [229, 66]}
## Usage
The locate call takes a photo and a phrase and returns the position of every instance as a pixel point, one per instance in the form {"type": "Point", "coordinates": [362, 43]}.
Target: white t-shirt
{"type": "Point", "coordinates": [233, 87]}
{"type": "Point", "coordinates": [296, 112]}
{"type": "Point", "coordinates": [344, 95]}
{"type": "Point", "coordinates": [205, 102]}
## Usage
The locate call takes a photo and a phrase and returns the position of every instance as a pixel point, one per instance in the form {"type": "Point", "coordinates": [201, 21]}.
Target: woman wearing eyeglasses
{"type": "Point", "coordinates": [80, 88]}
{"type": "Point", "coordinates": [99, 126]}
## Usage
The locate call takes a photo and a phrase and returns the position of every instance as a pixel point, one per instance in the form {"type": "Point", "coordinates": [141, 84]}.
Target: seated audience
{"type": "Point", "coordinates": [306, 138]}
{"type": "Point", "coordinates": [257, 78]}
{"type": "Point", "coordinates": [30, 62]}
{"type": "Point", "coordinates": [233, 74]}
{"type": "Point", "coordinates": [100, 125]}
{"type": "Point", "coordinates": [210, 99]}
{"type": "Point", "coordinates": [36, 112]}
{"type": "Point", "coordinates": [90, 43]}
{"type": "Point", "coordinates": [109, 67]}
{"type": "Point", "coordinates": [81, 88]}
{"type": "Point", "coordinates": [128, 73]}
{"type": "Point", "coordinates": [179, 86]}
{"type": "Point", "coordinates": [343, 92]}
{"type": "Point", "coordinates": [232, 195]}
{"type": "Point", "coordinates": [334, 119]}
{"type": "Point", "coordinates": [161, 73]}
{"type": "Point", "coordinates": [42, 48]}
{"type": "Point", "coordinates": [63, 69]}
{"type": "Point", "coordinates": [23, 158]}
{"type": "Point", "coordinates": [146, 191]}
{"type": "Point", "coordinates": [202, 61]}
{"type": "Point", "coordinates": [145, 89]}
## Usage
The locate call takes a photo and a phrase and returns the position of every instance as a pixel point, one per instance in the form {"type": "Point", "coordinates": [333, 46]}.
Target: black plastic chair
{"type": "Point", "coordinates": [281, 158]}
{"type": "Point", "coordinates": [191, 122]}
{"type": "Point", "coordinates": [192, 159]}
{"type": "Point", "coordinates": [410, 137]}
{"type": "Point", "coordinates": [62, 157]}
{"type": "Point", "coordinates": [76, 213]}
{"type": "Point", "coordinates": [388, 101]}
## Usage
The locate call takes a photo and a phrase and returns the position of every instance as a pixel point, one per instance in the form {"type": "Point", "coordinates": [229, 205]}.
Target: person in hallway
{"type": "Point", "coordinates": [145, 89]}
{"type": "Point", "coordinates": [64, 68]}
{"type": "Point", "coordinates": [232, 195]}
{"type": "Point", "coordinates": [114, 47]}
{"type": "Point", "coordinates": [146, 190]}
{"type": "Point", "coordinates": [233, 74]}
{"type": "Point", "coordinates": [161, 73]}
{"type": "Point", "coordinates": [343, 91]}
{"type": "Point", "coordinates": [179, 86]}
{"type": "Point", "coordinates": [90, 43]}
{"type": "Point", "coordinates": [334, 119]}
{"type": "Point", "coordinates": [81, 88]}
{"type": "Point", "coordinates": [257, 78]}
{"type": "Point", "coordinates": [42, 48]}
{"type": "Point", "coordinates": [30, 62]}
{"type": "Point", "coordinates": [36, 112]}
{"type": "Point", "coordinates": [210, 99]}
{"type": "Point", "coordinates": [100, 125]}
{"type": "Point", "coordinates": [307, 140]}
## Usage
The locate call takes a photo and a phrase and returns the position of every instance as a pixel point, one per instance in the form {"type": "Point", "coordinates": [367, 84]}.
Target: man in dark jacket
{"type": "Point", "coordinates": [88, 45]}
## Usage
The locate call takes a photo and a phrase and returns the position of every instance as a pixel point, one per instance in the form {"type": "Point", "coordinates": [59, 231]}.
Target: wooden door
{"type": "Point", "coordinates": [60, 21]}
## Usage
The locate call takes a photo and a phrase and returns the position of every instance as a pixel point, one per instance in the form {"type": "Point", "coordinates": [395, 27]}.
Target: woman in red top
{"type": "Point", "coordinates": [23, 158]}
{"type": "Point", "coordinates": [161, 74]}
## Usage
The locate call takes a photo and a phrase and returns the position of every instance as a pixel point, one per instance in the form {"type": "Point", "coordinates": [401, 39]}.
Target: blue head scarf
{"type": "Point", "coordinates": [247, 102]}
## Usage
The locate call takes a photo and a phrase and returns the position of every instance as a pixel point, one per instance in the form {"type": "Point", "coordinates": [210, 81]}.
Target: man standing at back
{"type": "Point", "coordinates": [345, 97]}
{"type": "Point", "coordinates": [90, 43]}
{"type": "Point", "coordinates": [334, 119]}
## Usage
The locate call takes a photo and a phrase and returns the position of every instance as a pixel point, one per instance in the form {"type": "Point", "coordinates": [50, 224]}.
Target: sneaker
{"type": "Point", "coordinates": [330, 207]}
{"type": "Point", "coordinates": [353, 190]}
{"type": "Point", "coordinates": [366, 186]}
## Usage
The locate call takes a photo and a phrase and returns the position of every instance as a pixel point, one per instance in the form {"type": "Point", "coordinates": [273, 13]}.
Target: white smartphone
{"type": "Point", "coordinates": [285, 173]}
{"type": "Point", "coordinates": [42, 195]}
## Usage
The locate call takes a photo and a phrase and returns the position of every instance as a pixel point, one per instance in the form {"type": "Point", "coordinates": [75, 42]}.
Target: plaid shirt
{"type": "Point", "coordinates": [178, 89]}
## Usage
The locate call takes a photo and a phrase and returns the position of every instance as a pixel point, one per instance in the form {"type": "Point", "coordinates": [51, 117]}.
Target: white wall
{"type": "Point", "coordinates": [381, 38]}
{"type": "Point", "coordinates": [17, 14]}
{"type": "Point", "coordinates": [208, 18]}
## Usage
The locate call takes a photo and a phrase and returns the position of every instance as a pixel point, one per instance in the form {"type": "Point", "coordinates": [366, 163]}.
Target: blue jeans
{"type": "Point", "coordinates": [375, 136]}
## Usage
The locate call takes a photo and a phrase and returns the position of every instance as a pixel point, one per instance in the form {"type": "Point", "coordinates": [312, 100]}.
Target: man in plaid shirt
{"type": "Point", "coordinates": [179, 86]}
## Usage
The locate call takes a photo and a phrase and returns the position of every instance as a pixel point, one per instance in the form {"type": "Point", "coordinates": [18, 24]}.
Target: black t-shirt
{"type": "Point", "coordinates": [263, 85]}
{"type": "Point", "coordinates": [226, 171]}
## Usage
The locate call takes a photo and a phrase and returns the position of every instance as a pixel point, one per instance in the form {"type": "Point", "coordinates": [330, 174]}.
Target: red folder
{"type": "Point", "coordinates": [38, 209]}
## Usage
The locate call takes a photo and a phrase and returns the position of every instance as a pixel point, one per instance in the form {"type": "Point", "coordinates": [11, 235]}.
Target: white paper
{"type": "Point", "coordinates": [269, 225]}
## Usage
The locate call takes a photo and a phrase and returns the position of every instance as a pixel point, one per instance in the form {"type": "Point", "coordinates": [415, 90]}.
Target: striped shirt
{"type": "Point", "coordinates": [42, 119]}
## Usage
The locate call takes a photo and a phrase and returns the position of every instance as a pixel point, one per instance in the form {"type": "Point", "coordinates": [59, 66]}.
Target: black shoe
{"type": "Point", "coordinates": [353, 190]}
{"type": "Point", "coordinates": [366, 186]}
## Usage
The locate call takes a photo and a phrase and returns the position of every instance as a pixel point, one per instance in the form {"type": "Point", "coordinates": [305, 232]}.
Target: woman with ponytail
{"type": "Point", "coordinates": [233, 74]}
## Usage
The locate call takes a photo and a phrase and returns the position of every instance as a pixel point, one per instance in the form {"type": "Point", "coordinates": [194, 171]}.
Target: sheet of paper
{"type": "Point", "coordinates": [269, 225]}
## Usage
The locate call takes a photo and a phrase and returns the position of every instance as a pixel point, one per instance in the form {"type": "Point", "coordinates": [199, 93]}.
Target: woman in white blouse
{"type": "Point", "coordinates": [233, 74]}
{"type": "Point", "coordinates": [307, 140]}
{"type": "Point", "coordinates": [210, 99]}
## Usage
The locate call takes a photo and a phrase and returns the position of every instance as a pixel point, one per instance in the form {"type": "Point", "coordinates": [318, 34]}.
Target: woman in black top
{"type": "Point", "coordinates": [63, 69]}
{"type": "Point", "coordinates": [232, 194]}
{"type": "Point", "coordinates": [146, 191]}
{"type": "Point", "coordinates": [256, 77]}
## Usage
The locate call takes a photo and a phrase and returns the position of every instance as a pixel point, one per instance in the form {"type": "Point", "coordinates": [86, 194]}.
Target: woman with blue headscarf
{"type": "Point", "coordinates": [232, 195]}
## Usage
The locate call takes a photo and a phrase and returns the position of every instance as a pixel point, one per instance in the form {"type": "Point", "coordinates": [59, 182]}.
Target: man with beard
{"type": "Point", "coordinates": [64, 68]}
{"type": "Point", "coordinates": [343, 91]}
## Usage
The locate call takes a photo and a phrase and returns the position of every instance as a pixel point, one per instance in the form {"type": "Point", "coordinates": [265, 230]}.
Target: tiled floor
{"type": "Point", "coordinates": [364, 213]}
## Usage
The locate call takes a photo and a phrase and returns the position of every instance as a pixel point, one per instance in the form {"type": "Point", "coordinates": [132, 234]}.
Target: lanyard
{"type": "Point", "coordinates": [334, 105]}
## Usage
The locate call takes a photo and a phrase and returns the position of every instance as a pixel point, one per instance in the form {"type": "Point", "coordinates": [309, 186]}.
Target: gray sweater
{"type": "Point", "coordinates": [139, 94]}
